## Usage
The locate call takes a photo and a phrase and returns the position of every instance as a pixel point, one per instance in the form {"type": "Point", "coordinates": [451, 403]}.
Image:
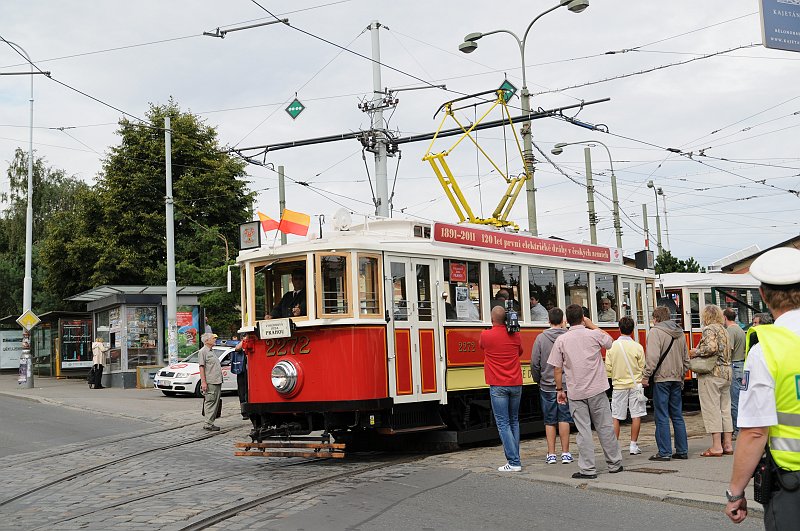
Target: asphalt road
{"type": "Point", "coordinates": [444, 499]}
{"type": "Point", "coordinates": [28, 425]}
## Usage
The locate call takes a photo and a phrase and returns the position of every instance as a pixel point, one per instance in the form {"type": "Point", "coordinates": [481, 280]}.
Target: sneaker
{"type": "Point", "coordinates": [657, 457]}
{"type": "Point", "coordinates": [566, 458]}
{"type": "Point", "coordinates": [617, 471]}
{"type": "Point", "coordinates": [211, 428]}
{"type": "Point", "coordinates": [550, 459]}
{"type": "Point", "coordinates": [635, 449]}
{"type": "Point", "coordinates": [509, 468]}
{"type": "Point", "coordinates": [680, 456]}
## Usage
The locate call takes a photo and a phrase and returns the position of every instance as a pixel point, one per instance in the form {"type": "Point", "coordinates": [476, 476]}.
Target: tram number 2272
{"type": "Point", "coordinates": [288, 345]}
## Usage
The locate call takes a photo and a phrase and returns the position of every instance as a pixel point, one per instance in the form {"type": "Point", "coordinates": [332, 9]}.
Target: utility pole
{"type": "Point", "coordinates": [651, 184]}
{"type": "Point", "coordinates": [666, 222]}
{"type": "Point", "coordinates": [381, 180]}
{"type": "Point", "coordinates": [587, 155]}
{"type": "Point", "coordinates": [281, 199]}
{"type": "Point", "coordinates": [172, 298]}
{"type": "Point", "coordinates": [646, 230]}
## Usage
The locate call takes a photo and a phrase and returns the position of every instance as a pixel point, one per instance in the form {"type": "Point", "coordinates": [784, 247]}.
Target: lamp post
{"type": "Point", "coordinates": [559, 148]}
{"type": "Point", "coordinates": [666, 222]}
{"type": "Point", "coordinates": [470, 45]}
{"type": "Point", "coordinates": [27, 285]}
{"type": "Point", "coordinates": [650, 184]}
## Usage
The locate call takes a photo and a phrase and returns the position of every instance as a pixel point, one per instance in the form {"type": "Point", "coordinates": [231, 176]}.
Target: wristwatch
{"type": "Point", "coordinates": [732, 498]}
{"type": "Point", "coordinates": [558, 389]}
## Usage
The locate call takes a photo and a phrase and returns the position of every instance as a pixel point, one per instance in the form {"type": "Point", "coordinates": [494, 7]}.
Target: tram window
{"type": "Point", "coordinates": [606, 297]}
{"type": "Point", "coordinates": [626, 301]}
{"type": "Point", "coordinates": [694, 309]}
{"type": "Point", "coordinates": [369, 279]}
{"type": "Point", "coordinates": [424, 298]}
{"type": "Point", "coordinates": [333, 290]}
{"type": "Point", "coordinates": [504, 285]}
{"type": "Point", "coordinates": [399, 294]}
{"type": "Point", "coordinates": [728, 299]}
{"type": "Point", "coordinates": [674, 304]}
{"type": "Point", "coordinates": [281, 290]}
{"type": "Point", "coordinates": [541, 292]}
{"type": "Point", "coordinates": [463, 288]}
{"type": "Point", "coordinates": [639, 303]}
{"type": "Point", "coordinates": [576, 290]}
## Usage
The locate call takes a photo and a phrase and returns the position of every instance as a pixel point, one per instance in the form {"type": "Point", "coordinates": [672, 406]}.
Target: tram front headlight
{"type": "Point", "coordinates": [284, 377]}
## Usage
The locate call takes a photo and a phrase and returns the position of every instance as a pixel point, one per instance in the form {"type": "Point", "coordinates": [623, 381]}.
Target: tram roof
{"type": "Point", "coordinates": [707, 280]}
{"type": "Point", "coordinates": [403, 237]}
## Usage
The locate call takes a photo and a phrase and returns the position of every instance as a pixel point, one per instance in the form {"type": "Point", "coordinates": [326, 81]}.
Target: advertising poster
{"type": "Point", "coordinates": [188, 326]}
{"type": "Point", "coordinates": [76, 344]}
{"type": "Point", "coordinates": [10, 348]}
{"type": "Point", "coordinates": [463, 304]}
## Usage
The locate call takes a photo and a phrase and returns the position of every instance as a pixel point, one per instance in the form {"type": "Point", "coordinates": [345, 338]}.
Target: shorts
{"type": "Point", "coordinates": [552, 411]}
{"type": "Point", "coordinates": [624, 399]}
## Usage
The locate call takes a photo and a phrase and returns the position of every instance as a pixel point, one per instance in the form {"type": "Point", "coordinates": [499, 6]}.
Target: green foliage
{"type": "Point", "coordinates": [54, 193]}
{"type": "Point", "coordinates": [118, 234]}
{"type": "Point", "coordinates": [666, 263]}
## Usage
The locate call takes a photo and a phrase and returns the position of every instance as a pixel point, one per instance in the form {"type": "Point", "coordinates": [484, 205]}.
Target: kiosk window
{"type": "Point", "coordinates": [576, 290]}
{"type": "Point", "coordinates": [332, 297]}
{"type": "Point", "coordinates": [605, 287]}
{"type": "Point", "coordinates": [369, 285]}
{"type": "Point", "coordinates": [463, 281]}
{"type": "Point", "coordinates": [541, 292]}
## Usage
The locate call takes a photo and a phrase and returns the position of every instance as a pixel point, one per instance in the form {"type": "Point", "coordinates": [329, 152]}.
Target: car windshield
{"type": "Point", "coordinates": [191, 358]}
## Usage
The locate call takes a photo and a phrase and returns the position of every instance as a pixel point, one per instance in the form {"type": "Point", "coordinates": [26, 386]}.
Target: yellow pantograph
{"type": "Point", "coordinates": [448, 181]}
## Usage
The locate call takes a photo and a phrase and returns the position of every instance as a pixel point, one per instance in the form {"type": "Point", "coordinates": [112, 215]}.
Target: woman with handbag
{"type": "Point", "coordinates": [711, 360]}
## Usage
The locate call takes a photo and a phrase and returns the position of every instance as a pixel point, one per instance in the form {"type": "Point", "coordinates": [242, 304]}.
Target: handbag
{"type": "Point", "coordinates": [638, 390]}
{"type": "Point", "coordinates": [703, 365]}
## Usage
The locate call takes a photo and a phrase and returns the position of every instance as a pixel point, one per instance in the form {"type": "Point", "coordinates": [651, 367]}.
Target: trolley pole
{"type": "Point", "coordinates": [381, 180]}
{"type": "Point", "coordinates": [172, 303]}
{"type": "Point", "coordinates": [587, 155]}
{"type": "Point", "coordinates": [281, 199]}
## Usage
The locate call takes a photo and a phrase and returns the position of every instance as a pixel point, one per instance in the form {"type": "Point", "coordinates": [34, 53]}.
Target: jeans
{"type": "Point", "coordinates": [667, 403]}
{"type": "Point", "coordinates": [505, 406]}
{"type": "Point", "coordinates": [736, 386]}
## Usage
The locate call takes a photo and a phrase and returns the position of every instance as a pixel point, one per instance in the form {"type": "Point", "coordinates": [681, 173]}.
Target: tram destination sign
{"type": "Point", "coordinates": [517, 243]}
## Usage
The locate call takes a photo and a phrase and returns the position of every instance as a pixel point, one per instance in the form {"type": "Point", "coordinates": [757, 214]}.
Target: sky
{"type": "Point", "coordinates": [690, 76]}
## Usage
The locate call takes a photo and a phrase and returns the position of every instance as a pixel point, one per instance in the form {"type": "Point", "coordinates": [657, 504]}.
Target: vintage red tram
{"type": "Point", "coordinates": [386, 339]}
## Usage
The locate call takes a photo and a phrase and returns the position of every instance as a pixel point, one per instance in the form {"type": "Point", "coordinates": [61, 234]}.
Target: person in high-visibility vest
{"type": "Point", "coordinates": [769, 403]}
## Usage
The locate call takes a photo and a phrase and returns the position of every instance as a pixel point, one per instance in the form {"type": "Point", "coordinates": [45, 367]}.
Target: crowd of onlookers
{"type": "Point", "coordinates": [573, 377]}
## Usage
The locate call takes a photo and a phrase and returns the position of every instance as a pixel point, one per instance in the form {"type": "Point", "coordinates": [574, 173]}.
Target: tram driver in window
{"type": "Point", "coordinates": [607, 314]}
{"type": "Point", "coordinates": [293, 303]}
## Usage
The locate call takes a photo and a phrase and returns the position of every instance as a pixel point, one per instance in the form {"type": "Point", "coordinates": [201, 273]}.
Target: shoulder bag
{"type": "Point", "coordinates": [638, 390]}
{"type": "Point", "coordinates": [703, 365]}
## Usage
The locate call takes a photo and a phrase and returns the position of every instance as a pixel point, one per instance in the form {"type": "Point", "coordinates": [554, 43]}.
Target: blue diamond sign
{"type": "Point", "coordinates": [295, 108]}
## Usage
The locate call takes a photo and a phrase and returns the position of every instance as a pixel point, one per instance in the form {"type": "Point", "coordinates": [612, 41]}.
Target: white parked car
{"type": "Point", "coordinates": [184, 377]}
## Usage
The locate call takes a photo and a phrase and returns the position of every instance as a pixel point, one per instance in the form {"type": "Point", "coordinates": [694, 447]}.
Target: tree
{"type": "Point", "coordinates": [120, 230]}
{"type": "Point", "coordinates": [53, 192]}
{"type": "Point", "coordinates": [666, 263]}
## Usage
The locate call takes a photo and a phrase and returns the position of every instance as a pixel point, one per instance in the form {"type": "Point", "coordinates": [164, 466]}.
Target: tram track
{"type": "Point", "coordinates": [72, 475]}
{"type": "Point", "coordinates": [204, 522]}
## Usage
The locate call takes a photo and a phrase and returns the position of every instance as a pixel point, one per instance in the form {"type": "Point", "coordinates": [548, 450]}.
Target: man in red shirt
{"type": "Point", "coordinates": [504, 376]}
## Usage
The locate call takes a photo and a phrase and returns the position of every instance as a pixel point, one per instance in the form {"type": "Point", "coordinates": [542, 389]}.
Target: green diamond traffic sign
{"type": "Point", "coordinates": [295, 108]}
{"type": "Point", "coordinates": [28, 320]}
{"type": "Point", "coordinates": [508, 90]}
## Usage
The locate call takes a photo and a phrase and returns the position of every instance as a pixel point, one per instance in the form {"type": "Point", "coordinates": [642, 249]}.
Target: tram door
{"type": "Point", "coordinates": [698, 299]}
{"type": "Point", "coordinates": [414, 350]}
{"type": "Point", "coordinates": [635, 305]}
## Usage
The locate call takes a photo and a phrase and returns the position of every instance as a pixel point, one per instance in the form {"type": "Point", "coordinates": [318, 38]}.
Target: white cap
{"type": "Point", "coordinates": [778, 267]}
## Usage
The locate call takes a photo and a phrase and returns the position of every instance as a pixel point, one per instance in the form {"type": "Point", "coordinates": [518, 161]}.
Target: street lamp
{"type": "Point", "coordinates": [650, 184]}
{"type": "Point", "coordinates": [470, 44]}
{"type": "Point", "coordinates": [666, 222]}
{"type": "Point", "coordinates": [27, 285]}
{"type": "Point", "coordinates": [559, 148]}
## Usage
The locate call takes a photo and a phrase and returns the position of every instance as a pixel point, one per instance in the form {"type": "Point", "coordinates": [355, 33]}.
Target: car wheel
{"type": "Point", "coordinates": [169, 393]}
{"type": "Point", "coordinates": [197, 391]}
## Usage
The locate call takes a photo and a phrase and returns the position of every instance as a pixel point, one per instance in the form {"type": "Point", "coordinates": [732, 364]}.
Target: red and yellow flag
{"type": "Point", "coordinates": [294, 222]}
{"type": "Point", "coordinates": [267, 223]}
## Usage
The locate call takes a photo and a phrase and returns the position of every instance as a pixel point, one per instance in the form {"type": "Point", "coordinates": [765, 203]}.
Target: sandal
{"type": "Point", "coordinates": [709, 453]}
{"type": "Point", "coordinates": [727, 452]}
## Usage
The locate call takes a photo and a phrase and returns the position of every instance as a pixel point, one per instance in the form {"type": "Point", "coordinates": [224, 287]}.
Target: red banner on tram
{"type": "Point", "coordinates": [487, 239]}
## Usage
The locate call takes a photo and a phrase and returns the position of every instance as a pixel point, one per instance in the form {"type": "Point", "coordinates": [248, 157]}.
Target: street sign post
{"type": "Point", "coordinates": [508, 90]}
{"type": "Point", "coordinates": [27, 320]}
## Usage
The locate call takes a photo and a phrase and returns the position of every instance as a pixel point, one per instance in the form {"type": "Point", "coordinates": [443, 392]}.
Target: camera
{"type": "Point", "coordinates": [512, 319]}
